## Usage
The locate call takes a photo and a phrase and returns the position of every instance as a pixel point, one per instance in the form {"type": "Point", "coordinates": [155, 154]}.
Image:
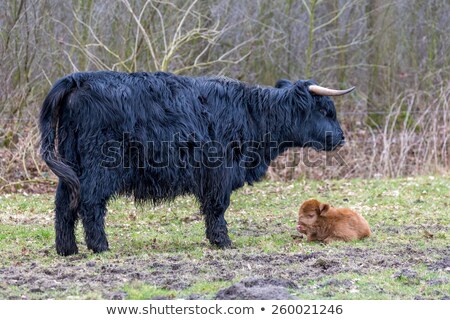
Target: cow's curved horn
{"type": "Point", "coordinates": [322, 91]}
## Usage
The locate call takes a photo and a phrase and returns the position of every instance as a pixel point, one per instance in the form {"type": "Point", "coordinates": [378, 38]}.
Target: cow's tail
{"type": "Point", "coordinates": [48, 124]}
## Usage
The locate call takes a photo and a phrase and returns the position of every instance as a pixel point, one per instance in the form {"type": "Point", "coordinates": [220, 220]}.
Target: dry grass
{"type": "Point", "coordinates": [414, 140]}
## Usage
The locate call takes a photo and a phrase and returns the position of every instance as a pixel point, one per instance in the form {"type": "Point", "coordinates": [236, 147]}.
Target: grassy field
{"type": "Point", "coordinates": [161, 252]}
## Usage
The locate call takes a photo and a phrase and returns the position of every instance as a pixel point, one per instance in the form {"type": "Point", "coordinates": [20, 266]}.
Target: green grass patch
{"type": "Point", "coordinates": [162, 252]}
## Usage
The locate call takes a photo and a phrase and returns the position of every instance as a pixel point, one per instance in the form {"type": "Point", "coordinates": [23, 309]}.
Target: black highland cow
{"type": "Point", "coordinates": [157, 136]}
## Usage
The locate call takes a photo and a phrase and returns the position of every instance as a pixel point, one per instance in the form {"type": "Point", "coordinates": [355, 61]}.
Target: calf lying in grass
{"type": "Point", "coordinates": [321, 222]}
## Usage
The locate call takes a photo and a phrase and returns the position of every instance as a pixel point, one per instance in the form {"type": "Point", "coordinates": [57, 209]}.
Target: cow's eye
{"type": "Point", "coordinates": [323, 111]}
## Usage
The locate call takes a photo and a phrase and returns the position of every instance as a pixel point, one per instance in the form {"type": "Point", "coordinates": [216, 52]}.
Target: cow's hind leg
{"type": "Point", "coordinates": [216, 226]}
{"type": "Point", "coordinates": [96, 189]}
{"type": "Point", "coordinates": [93, 217]}
{"type": "Point", "coordinates": [65, 221]}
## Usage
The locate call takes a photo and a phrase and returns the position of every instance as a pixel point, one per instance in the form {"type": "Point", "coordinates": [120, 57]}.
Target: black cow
{"type": "Point", "coordinates": [156, 136]}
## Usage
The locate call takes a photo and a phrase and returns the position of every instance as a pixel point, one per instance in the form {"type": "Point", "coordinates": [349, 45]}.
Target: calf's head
{"type": "Point", "coordinates": [309, 213]}
{"type": "Point", "coordinates": [314, 115]}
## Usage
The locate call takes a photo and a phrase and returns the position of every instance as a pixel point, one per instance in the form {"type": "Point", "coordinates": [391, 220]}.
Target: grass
{"type": "Point", "coordinates": [162, 252]}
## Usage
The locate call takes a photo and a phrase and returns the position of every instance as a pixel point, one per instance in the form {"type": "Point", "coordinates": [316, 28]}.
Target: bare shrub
{"type": "Point", "coordinates": [395, 52]}
{"type": "Point", "coordinates": [414, 140]}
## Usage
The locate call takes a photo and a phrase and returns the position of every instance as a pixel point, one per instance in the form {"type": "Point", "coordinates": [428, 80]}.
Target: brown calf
{"type": "Point", "coordinates": [321, 222]}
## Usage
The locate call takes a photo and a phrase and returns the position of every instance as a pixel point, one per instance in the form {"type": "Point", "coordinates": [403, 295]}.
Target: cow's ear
{"type": "Point", "coordinates": [324, 207]}
{"type": "Point", "coordinates": [301, 95]}
{"type": "Point", "coordinates": [283, 83]}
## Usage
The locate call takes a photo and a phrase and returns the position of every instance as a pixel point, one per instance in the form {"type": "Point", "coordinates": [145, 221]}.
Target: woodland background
{"type": "Point", "coordinates": [396, 53]}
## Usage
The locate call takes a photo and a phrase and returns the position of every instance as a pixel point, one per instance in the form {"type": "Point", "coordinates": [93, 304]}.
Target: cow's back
{"type": "Point", "coordinates": [142, 127]}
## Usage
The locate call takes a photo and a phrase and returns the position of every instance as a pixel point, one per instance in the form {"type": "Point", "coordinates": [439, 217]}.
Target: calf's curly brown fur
{"type": "Point", "coordinates": [322, 222]}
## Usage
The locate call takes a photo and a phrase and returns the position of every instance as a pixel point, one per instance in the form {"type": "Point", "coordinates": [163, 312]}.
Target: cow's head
{"type": "Point", "coordinates": [314, 115]}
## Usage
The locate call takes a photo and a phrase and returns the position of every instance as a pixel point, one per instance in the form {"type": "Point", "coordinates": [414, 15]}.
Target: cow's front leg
{"type": "Point", "coordinates": [216, 226]}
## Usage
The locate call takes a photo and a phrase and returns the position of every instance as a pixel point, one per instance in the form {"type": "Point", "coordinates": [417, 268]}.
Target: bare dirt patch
{"type": "Point", "coordinates": [258, 289]}
{"type": "Point", "coordinates": [265, 275]}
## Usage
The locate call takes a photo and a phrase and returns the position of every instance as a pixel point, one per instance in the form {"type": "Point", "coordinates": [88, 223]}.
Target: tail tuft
{"type": "Point", "coordinates": [48, 123]}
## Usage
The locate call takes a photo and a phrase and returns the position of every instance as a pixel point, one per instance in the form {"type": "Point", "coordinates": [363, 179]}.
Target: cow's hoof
{"type": "Point", "coordinates": [99, 248]}
{"type": "Point", "coordinates": [222, 243]}
{"type": "Point", "coordinates": [67, 251]}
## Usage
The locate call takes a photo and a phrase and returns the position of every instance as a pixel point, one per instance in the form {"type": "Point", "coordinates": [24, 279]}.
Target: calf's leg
{"type": "Point", "coordinates": [331, 239]}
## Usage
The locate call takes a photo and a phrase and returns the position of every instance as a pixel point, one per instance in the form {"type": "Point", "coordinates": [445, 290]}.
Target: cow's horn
{"type": "Point", "coordinates": [321, 91]}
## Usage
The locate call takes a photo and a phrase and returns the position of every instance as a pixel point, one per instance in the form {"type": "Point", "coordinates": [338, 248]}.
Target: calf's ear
{"type": "Point", "coordinates": [324, 207]}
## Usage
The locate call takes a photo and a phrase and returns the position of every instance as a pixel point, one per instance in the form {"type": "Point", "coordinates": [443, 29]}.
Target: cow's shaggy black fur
{"type": "Point", "coordinates": [157, 135]}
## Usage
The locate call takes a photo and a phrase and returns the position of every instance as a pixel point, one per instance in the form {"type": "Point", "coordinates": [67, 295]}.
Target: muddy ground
{"type": "Point", "coordinates": [255, 276]}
